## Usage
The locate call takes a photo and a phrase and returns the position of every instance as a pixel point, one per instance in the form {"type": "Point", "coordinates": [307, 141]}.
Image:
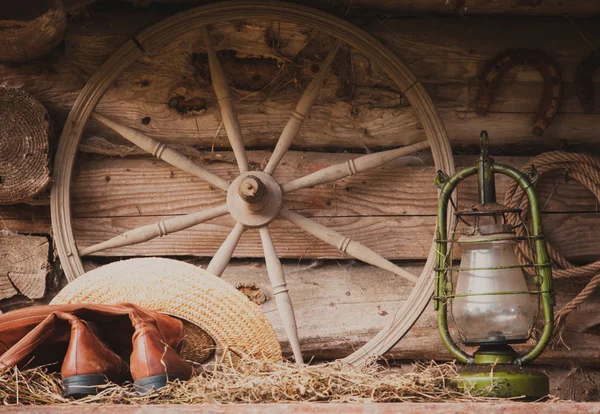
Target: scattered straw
{"type": "Point", "coordinates": [259, 382]}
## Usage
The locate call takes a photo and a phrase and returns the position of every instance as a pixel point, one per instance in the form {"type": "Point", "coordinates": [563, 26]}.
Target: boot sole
{"type": "Point", "coordinates": [78, 386]}
{"type": "Point", "coordinates": [149, 384]}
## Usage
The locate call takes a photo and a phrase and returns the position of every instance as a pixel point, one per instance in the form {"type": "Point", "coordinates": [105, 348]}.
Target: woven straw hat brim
{"type": "Point", "coordinates": [185, 291]}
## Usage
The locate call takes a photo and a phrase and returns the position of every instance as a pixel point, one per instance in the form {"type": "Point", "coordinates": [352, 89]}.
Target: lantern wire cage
{"type": "Point", "coordinates": [536, 269]}
{"type": "Point", "coordinates": [529, 267]}
{"type": "Point", "coordinates": [489, 245]}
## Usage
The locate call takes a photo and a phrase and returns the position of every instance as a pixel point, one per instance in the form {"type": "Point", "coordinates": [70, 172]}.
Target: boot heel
{"type": "Point", "coordinates": [146, 385]}
{"type": "Point", "coordinates": [81, 385]}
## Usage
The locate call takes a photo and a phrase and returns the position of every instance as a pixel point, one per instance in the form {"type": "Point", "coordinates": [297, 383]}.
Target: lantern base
{"type": "Point", "coordinates": [504, 381]}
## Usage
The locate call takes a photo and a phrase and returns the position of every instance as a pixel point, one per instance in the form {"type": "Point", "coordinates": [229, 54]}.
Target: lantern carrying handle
{"type": "Point", "coordinates": [542, 261]}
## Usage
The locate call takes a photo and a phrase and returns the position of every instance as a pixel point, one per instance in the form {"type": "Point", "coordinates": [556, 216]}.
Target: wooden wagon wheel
{"type": "Point", "coordinates": [254, 198]}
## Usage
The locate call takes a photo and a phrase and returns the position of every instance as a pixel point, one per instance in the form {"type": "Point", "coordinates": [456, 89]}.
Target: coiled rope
{"type": "Point", "coordinates": [586, 170]}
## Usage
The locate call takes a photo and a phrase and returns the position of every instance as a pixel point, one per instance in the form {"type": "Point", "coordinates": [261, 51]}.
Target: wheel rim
{"type": "Point", "coordinates": [160, 35]}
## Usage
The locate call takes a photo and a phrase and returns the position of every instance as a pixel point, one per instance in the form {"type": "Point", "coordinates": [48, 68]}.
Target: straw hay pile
{"type": "Point", "coordinates": [258, 382]}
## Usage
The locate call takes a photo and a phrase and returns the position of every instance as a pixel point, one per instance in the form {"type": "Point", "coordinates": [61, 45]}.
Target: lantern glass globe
{"type": "Point", "coordinates": [500, 310]}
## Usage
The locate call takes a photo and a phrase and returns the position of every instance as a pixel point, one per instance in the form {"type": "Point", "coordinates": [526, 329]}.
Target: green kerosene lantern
{"type": "Point", "coordinates": [491, 297]}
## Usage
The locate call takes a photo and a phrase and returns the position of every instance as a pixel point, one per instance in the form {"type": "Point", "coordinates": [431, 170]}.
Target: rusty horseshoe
{"type": "Point", "coordinates": [553, 90]}
{"type": "Point", "coordinates": [583, 81]}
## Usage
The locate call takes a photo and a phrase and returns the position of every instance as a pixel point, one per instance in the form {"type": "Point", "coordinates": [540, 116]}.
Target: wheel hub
{"type": "Point", "coordinates": [254, 199]}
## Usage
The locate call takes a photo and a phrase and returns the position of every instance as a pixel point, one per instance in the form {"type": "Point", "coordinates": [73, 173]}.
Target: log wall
{"type": "Point", "coordinates": [446, 54]}
{"type": "Point", "coordinates": [340, 303]}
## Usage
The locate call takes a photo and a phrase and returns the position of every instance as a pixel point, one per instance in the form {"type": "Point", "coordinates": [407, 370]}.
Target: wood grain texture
{"type": "Point", "coordinates": [145, 187]}
{"type": "Point", "coordinates": [391, 237]}
{"type": "Point", "coordinates": [394, 238]}
{"type": "Point", "coordinates": [31, 30]}
{"type": "Point", "coordinates": [579, 230]}
{"type": "Point", "coordinates": [25, 226]}
{"type": "Point", "coordinates": [345, 244]}
{"type": "Point", "coordinates": [353, 166]}
{"type": "Point", "coordinates": [24, 265]}
{"type": "Point", "coordinates": [161, 228]}
{"type": "Point", "coordinates": [128, 187]}
{"type": "Point", "coordinates": [339, 306]}
{"type": "Point", "coordinates": [281, 294]}
{"type": "Point", "coordinates": [25, 146]}
{"type": "Point", "coordinates": [303, 107]}
{"type": "Point", "coordinates": [222, 257]}
{"type": "Point", "coordinates": [220, 86]}
{"type": "Point", "coordinates": [161, 151]}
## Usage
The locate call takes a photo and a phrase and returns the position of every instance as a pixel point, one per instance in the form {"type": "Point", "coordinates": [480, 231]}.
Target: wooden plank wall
{"type": "Point", "coordinates": [446, 54]}
{"type": "Point", "coordinates": [340, 303]}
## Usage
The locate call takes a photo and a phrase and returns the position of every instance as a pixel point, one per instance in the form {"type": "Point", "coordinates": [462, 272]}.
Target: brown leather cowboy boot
{"type": "Point", "coordinates": [41, 335]}
{"type": "Point", "coordinates": [89, 363]}
{"type": "Point", "coordinates": [37, 336]}
{"type": "Point", "coordinates": [153, 362]}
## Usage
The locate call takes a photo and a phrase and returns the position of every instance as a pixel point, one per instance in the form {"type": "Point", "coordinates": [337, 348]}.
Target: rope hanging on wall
{"type": "Point", "coordinates": [586, 170]}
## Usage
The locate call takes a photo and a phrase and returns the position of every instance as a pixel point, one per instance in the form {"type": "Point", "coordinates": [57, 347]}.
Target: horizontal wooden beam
{"type": "Point", "coordinates": [340, 306]}
{"type": "Point", "coordinates": [390, 209]}
{"type": "Point", "coordinates": [27, 226]}
{"type": "Point", "coordinates": [445, 54]}
{"type": "Point", "coordinates": [575, 235]}
{"type": "Point", "coordinates": [393, 237]}
{"type": "Point", "coordinates": [143, 186]}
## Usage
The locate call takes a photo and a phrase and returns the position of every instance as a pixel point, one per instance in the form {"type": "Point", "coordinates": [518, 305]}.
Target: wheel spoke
{"type": "Point", "coordinates": [351, 167]}
{"type": "Point", "coordinates": [306, 101]}
{"type": "Point", "coordinates": [163, 152]}
{"type": "Point", "coordinates": [221, 259]}
{"type": "Point", "coordinates": [282, 295]}
{"type": "Point", "coordinates": [151, 231]}
{"type": "Point", "coordinates": [228, 112]}
{"type": "Point", "coordinates": [345, 244]}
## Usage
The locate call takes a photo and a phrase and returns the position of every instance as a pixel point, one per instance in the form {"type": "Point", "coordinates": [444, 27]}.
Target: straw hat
{"type": "Point", "coordinates": [205, 301]}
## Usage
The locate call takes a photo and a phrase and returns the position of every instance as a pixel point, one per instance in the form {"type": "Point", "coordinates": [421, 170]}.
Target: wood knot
{"type": "Point", "coordinates": [185, 105]}
{"type": "Point", "coordinates": [253, 291]}
{"type": "Point", "coordinates": [584, 388]}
